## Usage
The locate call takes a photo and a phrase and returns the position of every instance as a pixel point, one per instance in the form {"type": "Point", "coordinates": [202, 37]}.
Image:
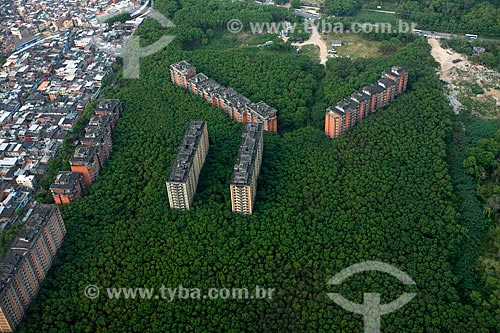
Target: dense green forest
{"type": "Point", "coordinates": [381, 192]}
{"type": "Point", "coordinates": [459, 16]}
{"type": "Point", "coordinates": [472, 142]}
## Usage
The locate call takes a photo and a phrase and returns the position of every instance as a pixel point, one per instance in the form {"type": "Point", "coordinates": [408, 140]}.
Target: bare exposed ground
{"type": "Point", "coordinates": [286, 5]}
{"type": "Point", "coordinates": [316, 39]}
{"type": "Point", "coordinates": [463, 74]}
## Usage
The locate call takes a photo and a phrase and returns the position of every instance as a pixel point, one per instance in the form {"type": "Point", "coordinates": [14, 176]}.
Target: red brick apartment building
{"type": "Point", "coordinates": [98, 134]}
{"type": "Point", "coordinates": [27, 262]}
{"type": "Point", "coordinates": [181, 72]}
{"type": "Point", "coordinates": [68, 187]}
{"type": "Point", "coordinates": [90, 157]}
{"type": "Point", "coordinates": [86, 162]}
{"type": "Point", "coordinates": [351, 110]}
{"type": "Point", "coordinates": [235, 106]}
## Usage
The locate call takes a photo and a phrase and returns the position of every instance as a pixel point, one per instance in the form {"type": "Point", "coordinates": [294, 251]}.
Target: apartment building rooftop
{"type": "Point", "coordinates": [336, 110]}
{"type": "Point", "coordinates": [373, 89]}
{"type": "Point", "coordinates": [262, 109]}
{"type": "Point", "coordinates": [94, 133]}
{"type": "Point", "coordinates": [209, 85]}
{"type": "Point", "coordinates": [346, 105]}
{"type": "Point", "coordinates": [228, 92]}
{"type": "Point", "coordinates": [98, 120]}
{"type": "Point", "coordinates": [187, 149]}
{"type": "Point", "coordinates": [23, 242]}
{"type": "Point", "coordinates": [198, 78]}
{"type": "Point", "coordinates": [83, 154]}
{"type": "Point", "coordinates": [182, 67]}
{"type": "Point", "coordinates": [239, 100]}
{"type": "Point", "coordinates": [385, 82]}
{"type": "Point", "coordinates": [360, 96]}
{"type": "Point", "coordinates": [108, 105]}
{"type": "Point", "coordinates": [247, 153]}
{"type": "Point", "coordinates": [399, 70]}
{"type": "Point", "coordinates": [66, 180]}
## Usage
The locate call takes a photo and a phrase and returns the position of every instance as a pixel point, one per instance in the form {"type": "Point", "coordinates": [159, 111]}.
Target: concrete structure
{"type": "Point", "coordinates": [400, 75]}
{"type": "Point", "coordinates": [28, 181]}
{"type": "Point", "coordinates": [235, 106]}
{"type": "Point", "coordinates": [351, 110]}
{"type": "Point", "coordinates": [90, 157]}
{"type": "Point", "coordinates": [246, 170]}
{"type": "Point", "coordinates": [27, 262]}
{"type": "Point", "coordinates": [98, 134]}
{"type": "Point", "coordinates": [86, 162]}
{"type": "Point", "coordinates": [68, 187]}
{"type": "Point", "coordinates": [181, 72]}
{"type": "Point", "coordinates": [111, 108]}
{"type": "Point", "coordinates": [183, 178]}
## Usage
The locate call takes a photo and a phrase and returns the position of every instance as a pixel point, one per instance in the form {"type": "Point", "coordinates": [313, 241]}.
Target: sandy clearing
{"type": "Point", "coordinates": [462, 73]}
{"type": "Point", "coordinates": [315, 39]}
{"type": "Point", "coordinates": [445, 59]}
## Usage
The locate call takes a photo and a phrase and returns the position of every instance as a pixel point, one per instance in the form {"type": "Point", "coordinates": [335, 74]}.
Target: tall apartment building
{"type": "Point", "coordinates": [111, 108]}
{"type": "Point", "coordinates": [400, 75]}
{"type": "Point", "coordinates": [263, 114]}
{"type": "Point", "coordinates": [86, 161]}
{"type": "Point", "coordinates": [377, 94]}
{"type": "Point", "coordinates": [363, 103]}
{"type": "Point", "coordinates": [181, 72]}
{"type": "Point", "coordinates": [345, 114]}
{"type": "Point", "coordinates": [98, 134]}
{"type": "Point", "coordinates": [246, 170]}
{"type": "Point", "coordinates": [195, 81]}
{"type": "Point", "coordinates": [235, 106]}
{"type": "Point", "coordinates": [391, 88]}
{"type": "Point", "coordinates": [27, 262]}
{"type": "Point", "coordinates": [68, 187]}
{"type": "Point", "coordinates": [183, 178]}
{"type": "Point", "coordinates": [341, 117]}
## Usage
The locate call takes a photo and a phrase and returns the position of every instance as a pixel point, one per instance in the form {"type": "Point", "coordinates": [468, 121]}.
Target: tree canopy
{"type": "Point", "coordinates": [382, 191]}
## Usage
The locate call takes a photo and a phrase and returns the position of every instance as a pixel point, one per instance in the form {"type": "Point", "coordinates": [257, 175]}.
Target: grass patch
{"type": "Point", "coordinates": [375, 17]}
{"type": "Point", "coordinates": [311, 51]}
{"type": "Point", "coordinates": [355, 46]}
{"type": "Point", "coordinates": [221, 39]}
{"type": "Point", "coordinates": [254, 40]}
{"type": "Point", "coordinates": [224, 40]}
{"type": "Point", "coordinates": [476, 89]}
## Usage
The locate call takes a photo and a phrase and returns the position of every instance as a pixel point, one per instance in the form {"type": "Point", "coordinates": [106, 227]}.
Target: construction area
{"type": "Point", "coordinates": [469, 86]}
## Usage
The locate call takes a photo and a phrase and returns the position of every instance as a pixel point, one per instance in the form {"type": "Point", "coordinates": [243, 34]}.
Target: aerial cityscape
{"type": "Point", "coordinates": [249, 166]}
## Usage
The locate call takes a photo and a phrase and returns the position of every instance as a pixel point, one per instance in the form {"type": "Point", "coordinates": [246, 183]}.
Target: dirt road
{"type": "Point", "coordinates": [444, 59]}
{"type": "Point", "coordinates": [316, 39]}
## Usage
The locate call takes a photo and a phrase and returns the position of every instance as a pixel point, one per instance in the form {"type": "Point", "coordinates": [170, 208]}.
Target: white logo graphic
{"type": "Point", "coordinates": [132, 52]}
{"type": "Point", "coordinates": [371, 309]}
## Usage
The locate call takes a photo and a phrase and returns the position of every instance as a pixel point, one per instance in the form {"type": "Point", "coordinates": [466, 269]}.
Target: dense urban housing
{"type": "Point", "coordinates": [348, 112]}
{"type": "Point", "coordinates": [246, 169]}
{"type": "Point", "coordinates": [183, 178]}
{"type": "Point", "coordinates": [235, 105]}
